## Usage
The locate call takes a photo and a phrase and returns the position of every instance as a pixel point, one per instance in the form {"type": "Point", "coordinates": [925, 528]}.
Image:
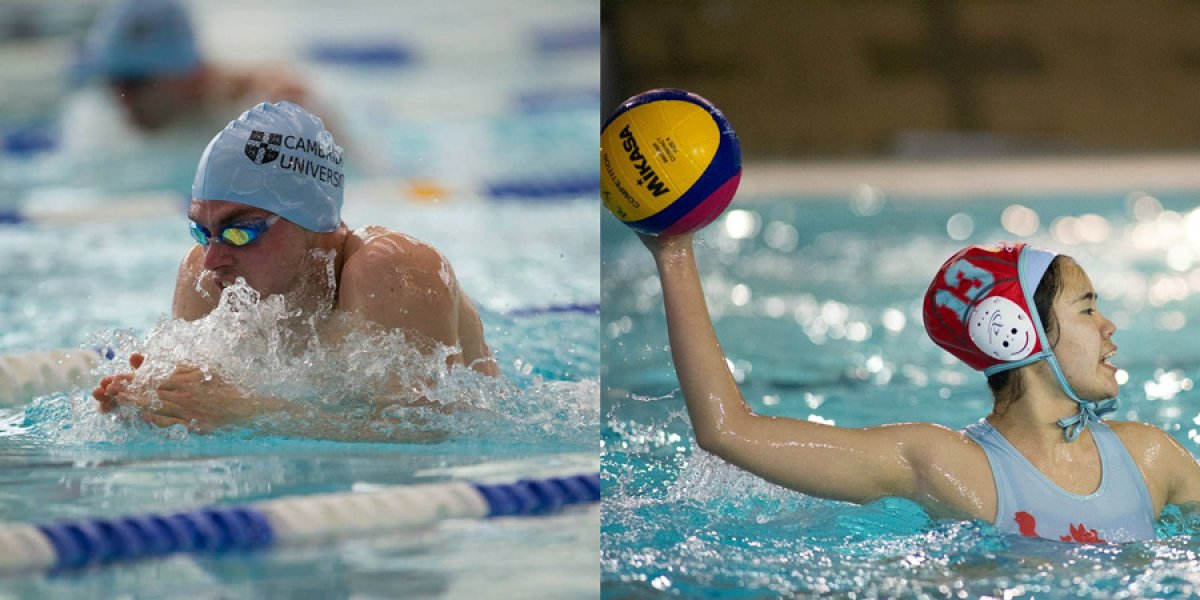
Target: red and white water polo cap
{"type": "Point", "coordinates": [980, 306]}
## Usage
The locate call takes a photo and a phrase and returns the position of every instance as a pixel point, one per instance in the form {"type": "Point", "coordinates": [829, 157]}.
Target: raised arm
{"type": "Point", "coordinates": [857, 465]}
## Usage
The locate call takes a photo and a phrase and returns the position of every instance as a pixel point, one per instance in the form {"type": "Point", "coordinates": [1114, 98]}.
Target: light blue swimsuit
{"type": "Point", "coordinates": [1027, 503]}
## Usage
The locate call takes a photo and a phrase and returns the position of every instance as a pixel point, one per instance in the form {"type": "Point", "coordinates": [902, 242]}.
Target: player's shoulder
{"type": "Point", "coordinates": [374, 251]}
{"type": "Point", "coordinates": [1136, 431]}
{"type": "Point", "coordinates": [376, 245]}
{"type": "Point", "coordinates": [932, 439]}
{"type": "Point", "coordinates": [1140, 437]}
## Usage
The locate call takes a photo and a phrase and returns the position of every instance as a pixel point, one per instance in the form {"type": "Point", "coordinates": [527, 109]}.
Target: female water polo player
{"type": "Point", "coordinates": [1042, 464]}
{"type": "Point", "coordinates": [266, 210]}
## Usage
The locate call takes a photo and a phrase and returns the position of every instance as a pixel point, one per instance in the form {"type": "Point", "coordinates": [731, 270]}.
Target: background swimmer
{"type": "Point", "coordinates": [279, 231]}
{"type": "Point", "coordinates": [145, 52]}
{"type": "Point", "coordinates": [1041, 402]}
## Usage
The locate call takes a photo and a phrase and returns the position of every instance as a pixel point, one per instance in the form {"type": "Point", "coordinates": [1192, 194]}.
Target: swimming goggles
{"type": "Point", "coordinates": [234, 235]}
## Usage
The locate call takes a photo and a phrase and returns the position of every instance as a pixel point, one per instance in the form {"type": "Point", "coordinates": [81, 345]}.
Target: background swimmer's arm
{"type": "Point", "coordinates": [923, 462]}
{"type": "Point", "coordinates": [194, 297]}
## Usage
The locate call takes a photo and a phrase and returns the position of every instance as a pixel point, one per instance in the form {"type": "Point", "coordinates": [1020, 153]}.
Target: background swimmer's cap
{"type": "Point", "coordinates": [277, 157]}
{"type": "Point", "coordinates": [980, 306]}
{"type": "Point", "coordinates": [140, 38]}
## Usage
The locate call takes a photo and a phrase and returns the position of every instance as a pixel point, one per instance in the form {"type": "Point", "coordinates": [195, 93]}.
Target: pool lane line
{"type": "Point", "coordinates": [586, 308]}
{"type": "Point", "coordinates": [12, 217]}
{"type": "Point", "coordinates": [213, 530]}
{"type": "Point", "coordinates": [162, 203]}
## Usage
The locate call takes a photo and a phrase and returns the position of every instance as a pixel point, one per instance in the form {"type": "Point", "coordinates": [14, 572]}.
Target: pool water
{"type": "Point", "coordinates": [496, 170]}
{"type": "Point", "coordinates": [62, 460]}
{"type": "Point", "coordinates": [816, 301]}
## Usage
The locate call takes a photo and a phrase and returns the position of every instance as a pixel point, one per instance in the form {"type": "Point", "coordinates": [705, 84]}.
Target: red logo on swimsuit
{"type": "Point", "coordinates": [1026, 523]}
{"type": "Point", "coordinates": [1079, 533]}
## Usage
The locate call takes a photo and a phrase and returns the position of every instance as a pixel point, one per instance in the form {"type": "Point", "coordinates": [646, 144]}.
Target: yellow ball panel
{"type": "Point", "coordinates": [652, 154]}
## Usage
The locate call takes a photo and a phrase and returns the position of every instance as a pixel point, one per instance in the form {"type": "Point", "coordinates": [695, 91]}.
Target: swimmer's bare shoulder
{"type": "Point", "coordinates": [399, 282]}
{"type": "Point", "coordinates": [195, 296]}
{"type": "Point", "coordinates": [1170, 471]}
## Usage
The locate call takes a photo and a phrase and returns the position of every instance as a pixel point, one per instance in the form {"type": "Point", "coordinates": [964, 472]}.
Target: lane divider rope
{"type": "Point", "coordinates": [80, 543]}
{"type": "Point", "coordinates": [32, 374]}
{"type": "Point", "coordinates": [586, 308]}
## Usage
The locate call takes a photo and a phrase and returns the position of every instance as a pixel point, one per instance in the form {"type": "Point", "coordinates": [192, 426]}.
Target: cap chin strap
{"type": "Point", "coordinates": [1088, 411]}
{"type": "Point", "coordinates": [1032, 266]}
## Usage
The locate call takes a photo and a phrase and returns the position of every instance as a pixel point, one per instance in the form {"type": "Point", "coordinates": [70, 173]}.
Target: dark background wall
{"type": "Point", "coordinates": [801, 78]}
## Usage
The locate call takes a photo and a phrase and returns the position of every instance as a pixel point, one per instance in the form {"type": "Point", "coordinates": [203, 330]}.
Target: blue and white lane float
{"type": "Point", "coordinates": [369, 192]}
{"type": "Point", "coordinates": [281, 522]}
{"type": "Point", "coordinates": [32, 374]}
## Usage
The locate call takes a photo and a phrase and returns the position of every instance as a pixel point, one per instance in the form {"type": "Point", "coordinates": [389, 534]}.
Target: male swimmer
{"type": "Point", "coordinates": [266, 209]}
{"type": "Point", "coordinates": [145, 52]}
{"type": "Point", "coordinates": [1042, 464]}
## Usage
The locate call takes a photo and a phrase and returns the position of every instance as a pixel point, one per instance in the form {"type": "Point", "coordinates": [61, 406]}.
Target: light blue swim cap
{"type": "Point", "coordinates": [140, 38]}
{"type": "Point", "coordinates": [277, 157]}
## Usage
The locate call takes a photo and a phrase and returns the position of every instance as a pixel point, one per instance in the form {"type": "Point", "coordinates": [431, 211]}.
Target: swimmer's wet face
{"type": "Point", "coordinates": [272, 264]}
{"type": "Point", "coordinates": [1082, 337]}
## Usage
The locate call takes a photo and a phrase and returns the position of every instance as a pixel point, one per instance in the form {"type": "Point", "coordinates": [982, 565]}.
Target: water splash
{"type": "Point", "coordinates": [346, 381]}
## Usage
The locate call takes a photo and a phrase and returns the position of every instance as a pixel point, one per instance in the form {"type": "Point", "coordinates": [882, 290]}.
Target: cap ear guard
{"type": "Point", "coordinates": [976, 308]}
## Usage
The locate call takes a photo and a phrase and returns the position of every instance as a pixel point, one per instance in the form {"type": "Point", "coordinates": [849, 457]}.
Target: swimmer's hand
{"type": "Point", "coordinates": [111, 386]}
{"type": "Point", "coordinates": [662, 247]}
{"type": "Point", "coordinates": [204, 401]}
{"type": "Point", "coordinates": [200, 401]}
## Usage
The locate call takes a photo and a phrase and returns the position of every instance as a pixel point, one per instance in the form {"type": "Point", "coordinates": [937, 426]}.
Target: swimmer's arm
{"type": "Point", "coordinates": [1185, 489]}
{"type": "Point", "coordinates": [1170, 472]}
{"type": "Point", "coordinates": [194, 297]}
{"type": "Point", "coordinates": [856, 465]}
{"type": "Point", "coordinates": [203, 402]}
{"type": "Point", "coordinates": [272, 415]}
{"type": "Point", "coordinates": [470, 337]}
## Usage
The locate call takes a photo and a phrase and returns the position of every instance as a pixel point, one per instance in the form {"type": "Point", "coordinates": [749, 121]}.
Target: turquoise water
{"type": "Point", "coordinates": [59, 459]}
{"type": "Point", "coordinates": [69, 284]}
{"type": "Point", "coordinates": [509, 99]}
{"type": "Point", "coordinates": [817, 305]}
